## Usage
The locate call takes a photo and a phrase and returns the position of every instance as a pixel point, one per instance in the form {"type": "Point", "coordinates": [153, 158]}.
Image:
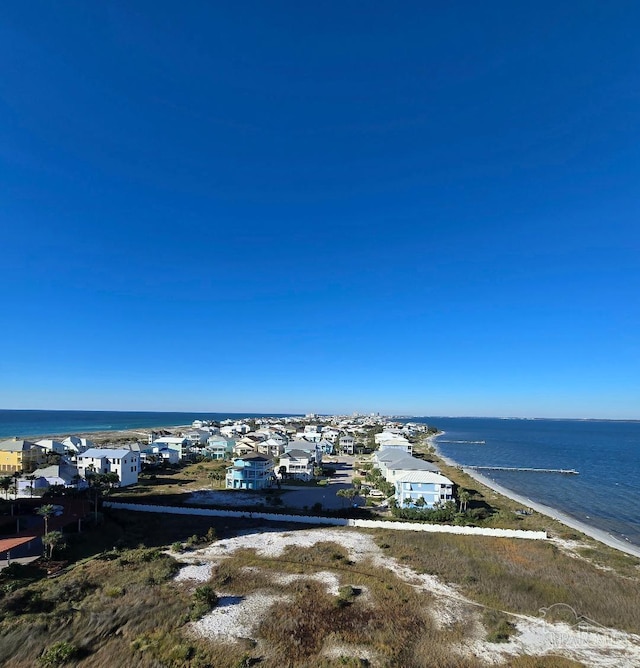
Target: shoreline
{"type": "Point", "coordinates": [555, 514]}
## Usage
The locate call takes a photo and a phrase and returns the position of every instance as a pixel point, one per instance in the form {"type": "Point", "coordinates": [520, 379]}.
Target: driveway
{"type": "Point", "coordinates": [299, 497]}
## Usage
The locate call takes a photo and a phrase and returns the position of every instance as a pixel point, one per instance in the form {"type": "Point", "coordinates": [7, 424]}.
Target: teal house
{"type": "Point", "coordinates": [250, 472]}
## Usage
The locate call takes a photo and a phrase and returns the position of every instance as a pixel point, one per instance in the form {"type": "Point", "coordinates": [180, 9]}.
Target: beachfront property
{"type": "Point", "coordinates": [51, 445]}
{"type": "Point", "coordinates": [16, 454]}
{"type": "Point", "coordinates": [250, 472]}
{"type": "Point", "coordinates": [432, 488]}
{"type": "Point", "coordinates": [75, 444]}
{"type": "Point", "coordinates": [125, 463]}
{"type": "Point", "coordinates": [392, 469]}
{"type": "Point", "coordinates": [391, 441]}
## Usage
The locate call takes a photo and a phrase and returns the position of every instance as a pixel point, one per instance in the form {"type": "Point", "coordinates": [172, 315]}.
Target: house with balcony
{"type": "Point", "coordinates": [250, 472]}
{"type": "Point", "coordinates": [346, 443]}
{"type": "Point", "coordinates": [16, 454]}
{"type": "Point", "coordinates": [125, 463]}
{"type": "Point", "coordinates": [432, 488]}
{"type": "Point", "coordinates": [297, 464]}
{"type": "Point", "coordinates": [219, 447]}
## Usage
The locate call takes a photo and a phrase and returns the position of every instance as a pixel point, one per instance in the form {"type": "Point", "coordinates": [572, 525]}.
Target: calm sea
{"type": "Point", "coordinates": [24, 423]}
{"type": "Point", "coordinates": [605, 494]}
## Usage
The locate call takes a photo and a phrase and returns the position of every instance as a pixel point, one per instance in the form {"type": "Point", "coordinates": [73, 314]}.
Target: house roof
{"type": "Point", "coordinates": [12, 543]}
{"type": "Point", "coordinates": [99, 453]}
{"type": "Point", "coordinates": [424, 476]}
{"type": "Point", "coordinates": [296, 454]}
{"type": "Point", "coordinates": [412, 464]}
{"type": "Point", "coordinates": [65, 471]}
{"type": "Point", "coordinates": [256, 458]}
{"type": "Point", "coordinates": [17, 445]}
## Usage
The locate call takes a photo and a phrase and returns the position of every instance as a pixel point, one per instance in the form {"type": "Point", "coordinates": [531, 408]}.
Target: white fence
{"type": "Point", "coordinates": [333, 521]}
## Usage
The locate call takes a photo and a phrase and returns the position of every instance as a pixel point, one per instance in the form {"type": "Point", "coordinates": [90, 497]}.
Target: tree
{"type": "Point", "coordinates": [46, 511]}
{"type": "Point", "coordinates": [54, 540]}
{"type": "Point", "coordinates": [30, 478]}
{"type": "Point", "coordinates": [463, 499]}
{"type": "Point", "coordinates": [5, 484]}
{"type": "Point", "coordinates": [217, 475]}
{"type": "Point", "coordinates": [349, 493]}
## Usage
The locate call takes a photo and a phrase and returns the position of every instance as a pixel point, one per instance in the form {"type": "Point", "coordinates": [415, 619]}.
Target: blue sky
{"type": "Point", "coordinates": [426, 208]}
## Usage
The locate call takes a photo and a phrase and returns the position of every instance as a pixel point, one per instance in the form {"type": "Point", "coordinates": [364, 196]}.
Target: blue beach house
{"type": "Point", "coordinates": [250, 472]}
{"type": "Point", "coordinates": [432, 487]}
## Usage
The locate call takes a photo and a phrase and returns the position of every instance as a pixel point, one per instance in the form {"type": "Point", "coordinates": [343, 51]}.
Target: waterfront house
{"type": "Point", "coordinates": [16, 454]}
{"type": "Point", "coordinates": [432, 487]}
{"type": "Point", "coordinates": [250, 472]}
{"type": "Point", "coordinates": [75, 444]}
{"type": "Point", "coordinates": [393, 464]}
{"type": "Point", "coordinates": [125, 463]}
{"type": "Point", "coordinates": [51, 445]}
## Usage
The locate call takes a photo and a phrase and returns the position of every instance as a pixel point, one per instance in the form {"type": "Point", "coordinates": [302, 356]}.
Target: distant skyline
{"type": "Point", "coordinates": [417, 209]}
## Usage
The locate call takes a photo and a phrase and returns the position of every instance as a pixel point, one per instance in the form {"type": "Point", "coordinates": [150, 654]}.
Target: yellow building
{"type": "Point", "coordinates": [19, 455]}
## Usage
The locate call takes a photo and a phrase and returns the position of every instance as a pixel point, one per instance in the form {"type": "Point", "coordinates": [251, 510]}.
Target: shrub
{"type": "Point", "coordinates": [58, 654]}
{"type": "Point", "coordinates": [204, 599]}
{"type": "Point", "coordinates": [176, 547]}
{"type": "Point", "coordinates": [498, 627]}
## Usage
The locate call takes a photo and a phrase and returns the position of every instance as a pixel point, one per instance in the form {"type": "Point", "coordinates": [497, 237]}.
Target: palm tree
{"type": "Point", "coordinates": [54, 540]}
{"type": "Point", "coordinates": [463, 499]}
{"type": "Point", "coordinates": [30, 478]}
{"type": "Point", "coordinates": [5, 484]}
{"type": "Point", "coordinates": [46, 511]}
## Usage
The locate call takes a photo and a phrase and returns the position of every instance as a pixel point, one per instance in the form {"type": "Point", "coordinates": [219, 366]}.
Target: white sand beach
{"type": "Point", "coordinates": [555, 514]}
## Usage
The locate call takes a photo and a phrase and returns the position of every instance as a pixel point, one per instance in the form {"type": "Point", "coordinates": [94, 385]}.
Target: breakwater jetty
{"type": "Point", "coordinates": [526, 470]}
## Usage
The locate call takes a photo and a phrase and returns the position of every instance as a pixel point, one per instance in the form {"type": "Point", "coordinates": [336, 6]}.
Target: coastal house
{"type": "Point", "coordinates": [75, 444]}
{"type": "Point", "coordinates": [197, 437]}
{"type": "Point", "coordinates": [51, 445]}
{"type": "Point", "coordinates": [168, 455]}
{"type": "Point", "coordinates": [16, 454]}
{"type": "Point", "coordinates": [431, 487]}
{"type": "Point", "coordinates": [273, 447]}
{"type": "Point", "coordinates": [393, 464]}
{"type": "Point", "coordinates": [125, 463]}
{"type": "Point", "coordinates": [297, 464]}
{"type": "Point", "coordinates": [346, 443]}
{"type": "Point", "coordinates": [392, 446]}
{"type": "Point", "coordinates": [179, 443]}
{"type": "Point", "coordinates": [219, 447]}
{"type": "Point", "coordinates": [243, 449]}
{"type": "Point", "coordinates": [66, 475]}
{"type": "Point", "coordinates": [250, 472]}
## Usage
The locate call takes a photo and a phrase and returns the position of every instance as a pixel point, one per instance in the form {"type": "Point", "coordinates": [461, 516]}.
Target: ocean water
{"type": "Point", "coordinates": [27, 423]}
{"type": "Point", "coordinates": [605, 494]}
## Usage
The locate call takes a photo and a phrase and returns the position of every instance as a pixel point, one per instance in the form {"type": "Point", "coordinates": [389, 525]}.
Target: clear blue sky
{"type": "Point", "coordinates": [426, 208]}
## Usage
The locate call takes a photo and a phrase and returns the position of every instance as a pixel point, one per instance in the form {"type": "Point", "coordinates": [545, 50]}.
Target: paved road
{"type": "Point", "coordinates": [299, 497]}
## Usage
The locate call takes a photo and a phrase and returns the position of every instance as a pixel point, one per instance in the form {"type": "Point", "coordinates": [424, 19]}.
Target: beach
{"type": "Point", "coordinates": [567, 520]}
